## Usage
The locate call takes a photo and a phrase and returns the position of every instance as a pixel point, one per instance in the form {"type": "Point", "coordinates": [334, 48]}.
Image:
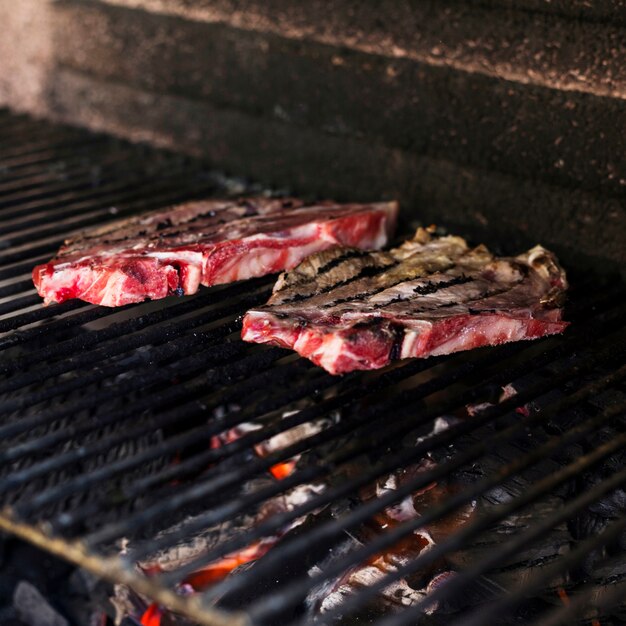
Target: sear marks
{"type": "Point", "coordinates": [349, 310]}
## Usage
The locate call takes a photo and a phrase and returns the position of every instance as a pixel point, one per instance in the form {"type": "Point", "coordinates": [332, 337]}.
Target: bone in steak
{"type": "Point", "coordinates": [346, 309]}
{"type": "Point", "coordinates": [204, 242]}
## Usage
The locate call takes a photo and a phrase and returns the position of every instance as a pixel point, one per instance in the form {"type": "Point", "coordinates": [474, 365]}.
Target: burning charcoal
{"type": "Point", "coordinates": [33, 609]}
{"type": "Point", "coordinates": [275, 443]}
{"type": "Point", "coordinates": [405, 591]}
{"type": "Point", "coordinates": [197, 543]}
{"type": "Point", "coordinates": [401, 593]}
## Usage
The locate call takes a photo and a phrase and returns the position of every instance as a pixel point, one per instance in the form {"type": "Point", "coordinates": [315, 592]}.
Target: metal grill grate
{"type": "Point", "coordinates": [149, 427]}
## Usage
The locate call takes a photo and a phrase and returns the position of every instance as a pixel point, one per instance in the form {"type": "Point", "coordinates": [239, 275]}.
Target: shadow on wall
{"type": "Point", "coordinates": [508, 124]}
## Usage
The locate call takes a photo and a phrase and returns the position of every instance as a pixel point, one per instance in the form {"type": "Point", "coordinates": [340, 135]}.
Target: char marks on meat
{"type": "Point", "coordinates": [173, 251]}
{"type": "Point", "coordinates": [346, 310]}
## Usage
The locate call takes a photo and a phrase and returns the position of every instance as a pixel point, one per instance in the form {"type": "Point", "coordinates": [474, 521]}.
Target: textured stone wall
{"type": "Point", "coordinates": [25, 53]}
{"type": "Point", "coordinates": [506, 118]}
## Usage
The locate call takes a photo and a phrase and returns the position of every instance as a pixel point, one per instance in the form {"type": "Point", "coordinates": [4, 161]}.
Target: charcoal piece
{"type": "Point", "coordinates": [33, 609]}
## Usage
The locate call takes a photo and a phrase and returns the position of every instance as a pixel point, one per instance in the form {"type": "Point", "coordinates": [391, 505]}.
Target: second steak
{"type": "Point", "coordinates": [346, 309]}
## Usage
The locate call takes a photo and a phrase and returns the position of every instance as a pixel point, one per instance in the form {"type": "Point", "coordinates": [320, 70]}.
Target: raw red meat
{"type": "Point", "coordinates": [206, 242]}
{"type": "Point", "coordinates": [346, 309]}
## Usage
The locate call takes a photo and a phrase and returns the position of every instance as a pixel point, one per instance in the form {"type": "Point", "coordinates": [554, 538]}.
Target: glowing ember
{"type": "Point", "coordinates": [207, 576]}
{"type": "Point", "coordinates": [280, 471]}
{"type": "Point", "coordinates": [204, 578]}
{"type": "Point", "coordinates": [152, 616]}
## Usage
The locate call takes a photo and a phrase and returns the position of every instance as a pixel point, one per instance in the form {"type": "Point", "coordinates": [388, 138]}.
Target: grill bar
{"type": "Point", "coordinates": [52, 242]}
{"type": "Point", "coordinates": [391, 538]}
{"type": "Point", "coordinates": [107, 417]}
{"type": "Point", "coordinates": [540, 581]}
{"type": "Point", "coordinates": [24, 224]}
{"type": "Point", "coordinates": [509, 548]}
{"type": "Point", "coordinates": [367, 511]}
{"type": "Point", "coordinates": [578, 604]}
{"type": "Point", "coordinates": [349, 453]}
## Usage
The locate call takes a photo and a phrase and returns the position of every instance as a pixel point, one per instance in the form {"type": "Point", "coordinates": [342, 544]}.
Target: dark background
{"type": "Point", "coordinates": [505, 119]}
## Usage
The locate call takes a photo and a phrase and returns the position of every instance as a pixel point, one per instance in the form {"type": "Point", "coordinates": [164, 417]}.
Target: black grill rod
{"type": "Point", "coordinates": [110, 344]}
{"type": "Point", "coordinates": [326, 383]}
{"type": "Point", "coordinates": [17, 304]}
{"type": "Point", "coordinates": [54, 205]}
{"type": "Point", "coordinates": [63, 387]}
{"type": "Point", "coordinates": [540, 581]}
{"type": "Point", "coordinates": [234, 418]}
{"type": "Point", "coordinates": [471, 530]}
{"type": "Point", "coordinates": [130, 327]}
{"type": "Point", "coordinates": [194, 363]}
{"type": "Point", "coordinates": [201, 460]}
{"type": "Point", "coordinates": [170, 447]}
{"type": "Point", "coordinates": [106, 157]}
{"type": "Point", "coordinates": [67, 458]}
{"type": "Point", "coordinates": [43, 145]}
{"type": "Point", "coordinates": [16, 287]}
{"type": "Point", "coordinates": [55, 463]}
{"type": "Point", "coordinates": [243, 444]}
{"type": "Point", "coordinates": [134, 332]}
{"type": "Point", "coordinates": [581, 602]}
{"type": "Point", "coordinates": [148, 202]}
{"type": "Point", "coordinates": [63, 205]}
{"type": "Point", "coordinates": [33, 176]}
{"type": "Point", "coordinates": [144, 374]}
{"type": "Point", "coordinates": [16, 133]}
{"type": "Point", "coordinates": [263, 465]}
{"type": "Point", "coordinates": [218, 482]}
{"type": "Point", "coordinates": [15, 322]}
{"type": "Point", "coordinates": [509, 548]}
{"type": "Point", "coordinates": [110, 161]}
{"type": "Point", "coordinates": [191, 408]}
{"type": "Point", "coordinates": [86, 313]}
{"type": "Point", "coordinates": [335, 528]}
{"type": "Point", "coordinates": [352, 486]}
{"type": "Point", "coordinates": [127, 335]}
{"type": "Point", "coordinates": [81, 147]}
{"type": "Point", "coordinates": [361, 599]}
{"type": "Point", "coordinates": [92, 208]}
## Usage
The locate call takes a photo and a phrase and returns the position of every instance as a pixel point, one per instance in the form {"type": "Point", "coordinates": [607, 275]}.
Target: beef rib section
{"type": "Point", "coordinates": [173, 251]}
{"type": "Point", "coordinates": [346, 309]}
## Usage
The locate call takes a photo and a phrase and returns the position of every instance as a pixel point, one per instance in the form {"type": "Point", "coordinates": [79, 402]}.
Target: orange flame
{"type": "Point", "coordinates": [566, 601]}
{"type": "Point", "coordinates": [282, 470]}
{"type": "Point", "coordinates": [563, 595]}
{"type": "Point", "coordinates": [207, 576]}
{"type": "Point", "coordinates": [152, 616]}
{"type": "Point", "coordinates": [217, 571]}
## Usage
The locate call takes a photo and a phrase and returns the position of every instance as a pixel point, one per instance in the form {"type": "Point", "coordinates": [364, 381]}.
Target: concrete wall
{"type": "Point", "coordinates": [506, 118]}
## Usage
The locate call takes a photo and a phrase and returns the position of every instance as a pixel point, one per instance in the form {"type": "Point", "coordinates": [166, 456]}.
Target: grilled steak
{"type": "Point", "coordinates": [346, 309]}
{"type": "Point", "coordinates": [206, 242]}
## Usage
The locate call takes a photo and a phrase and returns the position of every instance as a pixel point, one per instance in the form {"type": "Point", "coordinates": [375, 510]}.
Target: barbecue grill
{"type": "Point", "coordinates": [114, 427]}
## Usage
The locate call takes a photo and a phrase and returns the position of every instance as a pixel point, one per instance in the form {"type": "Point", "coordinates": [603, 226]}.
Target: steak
{"type": "Point", "coordinates": [209, 242]}
{"type": "Point", "coordinates": [346, 309]}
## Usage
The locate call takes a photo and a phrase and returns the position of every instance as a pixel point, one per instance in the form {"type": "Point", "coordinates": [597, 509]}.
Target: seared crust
{"type": "Point", "coordinates": [432, 295]}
